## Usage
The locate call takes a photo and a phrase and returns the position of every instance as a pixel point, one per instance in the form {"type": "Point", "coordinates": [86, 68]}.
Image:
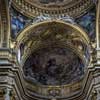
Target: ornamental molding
{"type": "Point", "coordinates": [72, 8]}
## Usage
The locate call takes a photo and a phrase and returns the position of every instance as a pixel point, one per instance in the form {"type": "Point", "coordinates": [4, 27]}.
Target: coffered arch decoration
{"type": "Point", "coordinates": [48, 29]}
{"type": "Point", "coordinates": [50, 52]}
{"type": "Point", "coordinates": [73, 8]}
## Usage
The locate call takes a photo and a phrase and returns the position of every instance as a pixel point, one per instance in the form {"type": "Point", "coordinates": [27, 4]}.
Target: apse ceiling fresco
{"type": "Point", "coordinates": [54, 66]}
{"type": "Point", "coordinates": [18, 22]}
{"type": "Point", "coordinates": [88, 22]}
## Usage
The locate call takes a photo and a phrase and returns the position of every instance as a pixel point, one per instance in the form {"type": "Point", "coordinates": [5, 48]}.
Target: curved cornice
{"type": "Point", "coordinates": [73, 9]}
{"type": "Point", "coordinates": [28, 30]}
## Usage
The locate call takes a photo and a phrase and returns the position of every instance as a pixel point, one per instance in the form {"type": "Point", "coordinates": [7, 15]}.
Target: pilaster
{"type": "Point", "coordinates": [4, 24]}
{"type": "Point", "coordinates": [98, 31]}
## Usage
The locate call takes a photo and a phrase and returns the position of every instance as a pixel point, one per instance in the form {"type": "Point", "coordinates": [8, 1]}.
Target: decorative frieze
{"type": "Point", "coordinates": [74, 10]}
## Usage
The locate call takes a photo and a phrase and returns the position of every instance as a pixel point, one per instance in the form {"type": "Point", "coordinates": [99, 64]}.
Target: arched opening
{"type": "Point", "coordinates": [53, 54]}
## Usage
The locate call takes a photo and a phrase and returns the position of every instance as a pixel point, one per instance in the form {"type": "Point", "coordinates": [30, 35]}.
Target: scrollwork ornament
{"type": "Point", "coordinates": [47, 17]}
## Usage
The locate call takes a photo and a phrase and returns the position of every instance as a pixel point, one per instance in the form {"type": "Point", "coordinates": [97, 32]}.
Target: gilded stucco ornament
{"type": "Point", "coordinates": [47, 17]}
{"type": "Point", "coordinates": [33, 8]}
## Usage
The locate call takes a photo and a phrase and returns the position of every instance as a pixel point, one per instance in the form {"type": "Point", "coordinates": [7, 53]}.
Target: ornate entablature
{"type": "Point", "coordinates": [33, 8]}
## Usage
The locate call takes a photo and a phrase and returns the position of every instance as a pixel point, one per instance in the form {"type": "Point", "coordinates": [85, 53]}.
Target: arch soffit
{"type": "Point", "coordinates": [29, 29]}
